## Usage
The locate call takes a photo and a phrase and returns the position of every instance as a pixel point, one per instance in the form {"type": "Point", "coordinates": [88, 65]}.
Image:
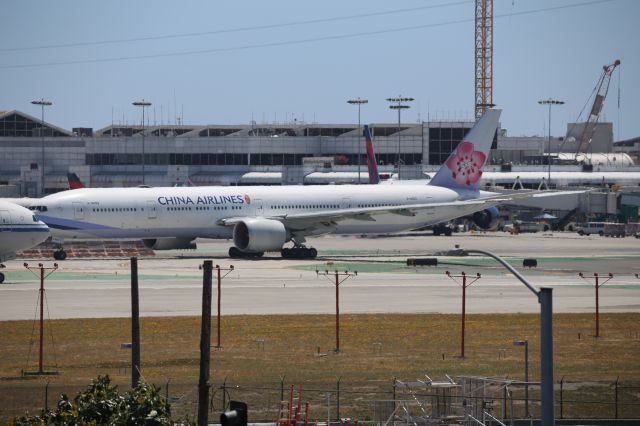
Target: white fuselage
{"type": "Point", "coordinates": [190, 212]}
{"type": "Point", "coordinates": [19, 229]}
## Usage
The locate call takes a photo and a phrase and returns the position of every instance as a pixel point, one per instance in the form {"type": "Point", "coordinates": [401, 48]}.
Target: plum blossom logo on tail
{"type": "Point", "coordinates": [247, 199]}
{"type": "Point", "coordinates": [466, 164]}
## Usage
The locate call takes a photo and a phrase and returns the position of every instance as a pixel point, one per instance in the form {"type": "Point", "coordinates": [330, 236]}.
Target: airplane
{"type": "Point", "coordinates": [19, 230]}
{"type": "Point", "coordinates": [372, 165]}
{"type": "Point", "coordinates": [486, 219]}
{"type": "Point", "coordinates": [74, 181]}
{"type": "Point", "coordinates": [263, 219]}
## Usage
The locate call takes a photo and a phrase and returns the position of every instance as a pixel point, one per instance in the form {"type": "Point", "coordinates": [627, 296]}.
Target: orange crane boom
{"type": "Point", "coordinates": [584, 141]}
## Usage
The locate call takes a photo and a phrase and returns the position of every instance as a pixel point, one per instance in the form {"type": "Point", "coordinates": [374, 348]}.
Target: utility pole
{"type": "Point", "coordinates": [41, 273]}
{"type": "Point", "coordinates": [135, 325]}
{"type": "Point", "coordinates": [205, 344]}
{"type": "Point", "coordinates": [464, 286]}
{"type": "Point", "coordinates": [597, 286]}
{"type": "Point", "coordinates": [340, 277]}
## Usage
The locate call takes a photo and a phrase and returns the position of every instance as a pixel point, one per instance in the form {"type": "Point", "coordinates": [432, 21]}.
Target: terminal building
{"type": "Point", "coordinates": [37, 153]}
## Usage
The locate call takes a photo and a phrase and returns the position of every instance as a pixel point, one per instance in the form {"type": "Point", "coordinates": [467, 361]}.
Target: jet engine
{"type": "Point", "coordinates": [259, 235]}
{"type": "Point", "coordinates": [170, 243]}
{"type": "Point", "coordinates": [487, 218]}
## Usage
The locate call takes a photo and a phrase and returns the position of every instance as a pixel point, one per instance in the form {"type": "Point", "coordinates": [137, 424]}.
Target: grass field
{"type": "Point", "coordinates": [259, 350]}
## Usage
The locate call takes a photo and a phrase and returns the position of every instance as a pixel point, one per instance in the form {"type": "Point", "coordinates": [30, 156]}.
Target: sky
{"type": "Point", "coordinates": [215, 62]}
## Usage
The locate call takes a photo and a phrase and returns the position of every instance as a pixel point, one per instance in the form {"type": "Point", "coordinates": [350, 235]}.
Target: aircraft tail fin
{"type": "Point", "coordinates": [463, 168]}
{"type": "Point", "coordinates": [74, 181]}
{"type": "Point", "coordinates": [372, 165]}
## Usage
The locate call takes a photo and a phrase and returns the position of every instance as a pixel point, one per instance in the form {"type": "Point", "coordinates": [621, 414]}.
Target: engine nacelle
{"type": "Point", "coordinates": [170, 243]}
{"type": "Point", "coordinates": [487, 218]}
{"type": "Point", "coordinates": [259, 235]}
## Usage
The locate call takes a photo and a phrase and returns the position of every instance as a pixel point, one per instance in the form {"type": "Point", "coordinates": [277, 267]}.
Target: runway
{"type": "Point", "coordinates": [171, 282]}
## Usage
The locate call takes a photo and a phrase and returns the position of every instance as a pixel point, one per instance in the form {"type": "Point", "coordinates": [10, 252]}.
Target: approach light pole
{"type": "Point", "coordinates": [550, 102]}
{"type": "Point", "coordinates": [43, 275]}
{"type": "Point", "coordinates": [220, 277]}
{"type": "Point", "coordinates": [525, 343]}
{"type": "Point", "coordinates": [398, 103]}
{"type": "Point", "coordinates": [43, 103]}
{"type": "Point", "coordinates": [358, 102]}
{"type": "Point", "coordinates": [346, 275]}
{"type": "Point", "coordinates": [464, 286]}
{"type": "Point", "coordinates": [598, 284]}
{"type": "Point", "coordinates": [142, 104]}
{"type": "Point", "coordinates": [545, 299]}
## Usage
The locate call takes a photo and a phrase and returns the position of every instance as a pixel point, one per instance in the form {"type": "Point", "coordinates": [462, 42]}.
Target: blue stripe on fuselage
{"type": "Point", "coordinates": [68, 224]}
{"type": "Point", "coordinates": [28, 229]}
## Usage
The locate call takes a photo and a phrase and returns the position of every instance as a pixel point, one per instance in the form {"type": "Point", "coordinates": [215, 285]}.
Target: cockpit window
{"type": "Point", "coordinates": [38, 208]}
{"type": "Point", "coordinates": [35, 219]}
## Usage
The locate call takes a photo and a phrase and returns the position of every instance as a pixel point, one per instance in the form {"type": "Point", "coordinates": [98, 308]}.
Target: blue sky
{"type": "Point", "coordinates": [282, 60]}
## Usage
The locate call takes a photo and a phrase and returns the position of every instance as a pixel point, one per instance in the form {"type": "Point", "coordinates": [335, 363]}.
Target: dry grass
{"type": "Point", "coordinates": [375, 349]}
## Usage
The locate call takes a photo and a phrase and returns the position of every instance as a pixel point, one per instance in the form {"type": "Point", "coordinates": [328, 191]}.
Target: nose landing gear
{"type": "Point", "coordinates": [60, 254]}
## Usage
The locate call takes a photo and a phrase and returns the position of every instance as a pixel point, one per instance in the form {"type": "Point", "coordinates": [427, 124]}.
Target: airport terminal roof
{"type": "Point", "coordinates": [16, 123]}
{"type": "Point", "coordinates": [264, 129]}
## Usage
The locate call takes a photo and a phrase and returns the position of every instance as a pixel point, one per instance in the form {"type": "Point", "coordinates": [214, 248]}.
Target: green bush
{"type": "Point", "coordinates": [101, 404]}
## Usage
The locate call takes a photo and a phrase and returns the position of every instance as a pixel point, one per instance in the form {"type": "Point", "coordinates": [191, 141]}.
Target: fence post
{"type": "Point", "coordinates": [394, 392]}
{"type": "Point", "coordinates": [46, 396]}
{"type": "Point", "coordinates": [561, 398]}
{"type": "Point", "coordinates": [338, 398]}
{"type": "Point", "coordinates": [616, 396]}
{"type": "Point", "coordinates": [282, 388]}
{"type": "Point", "coordinates": [224, 395]}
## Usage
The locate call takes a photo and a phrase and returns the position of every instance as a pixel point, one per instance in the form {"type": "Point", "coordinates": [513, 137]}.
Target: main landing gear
{"type": "Point", "coordinates": [60, 254]}
{"type": "Point", "coordinates": [295, 252]}
{"type": "Point", "coordinates": [1, 274]}
{"type": "Point", "coordinates": [236, 253]}
{"type": "Point", "coordinates": [299, 252]}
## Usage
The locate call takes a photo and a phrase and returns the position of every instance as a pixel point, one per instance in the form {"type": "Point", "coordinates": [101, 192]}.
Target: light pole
{"type": "Point", "coordinates": [550, 102]}
{"type": "Point", "coordinates": [43, 103]}
{"type": "Point", "coordinates": [358, 102]}
{"type": "Point", "coordinates": [142, 104]}
{"type": "Point", "coordinates": [545, 299]}
{"type": "Point", "coordinates": [525, 343]}
{"type": "Point", "coordinates": [398, 103]}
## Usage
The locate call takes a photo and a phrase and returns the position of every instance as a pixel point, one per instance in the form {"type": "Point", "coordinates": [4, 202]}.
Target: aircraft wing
{"type": "Point", "coordinates": [308, 222]}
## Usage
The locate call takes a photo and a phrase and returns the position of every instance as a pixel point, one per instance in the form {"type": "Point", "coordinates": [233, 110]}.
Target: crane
{"type": "Point", "coordinates": [601, 89]}
{"type": "Point", "coordinates": [484, 56]}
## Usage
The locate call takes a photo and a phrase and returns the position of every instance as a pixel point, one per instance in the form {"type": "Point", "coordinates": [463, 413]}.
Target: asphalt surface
{"type": "Point", "coordinates": [171, 282]}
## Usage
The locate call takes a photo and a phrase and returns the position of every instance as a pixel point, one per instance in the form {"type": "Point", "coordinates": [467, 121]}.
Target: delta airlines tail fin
{"type": "Point", "coordinates": [463, 168]}
{"type": "Point", "coordinates": [74, 181]}
{"type": "Point", "coordinates": [372, 165]}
